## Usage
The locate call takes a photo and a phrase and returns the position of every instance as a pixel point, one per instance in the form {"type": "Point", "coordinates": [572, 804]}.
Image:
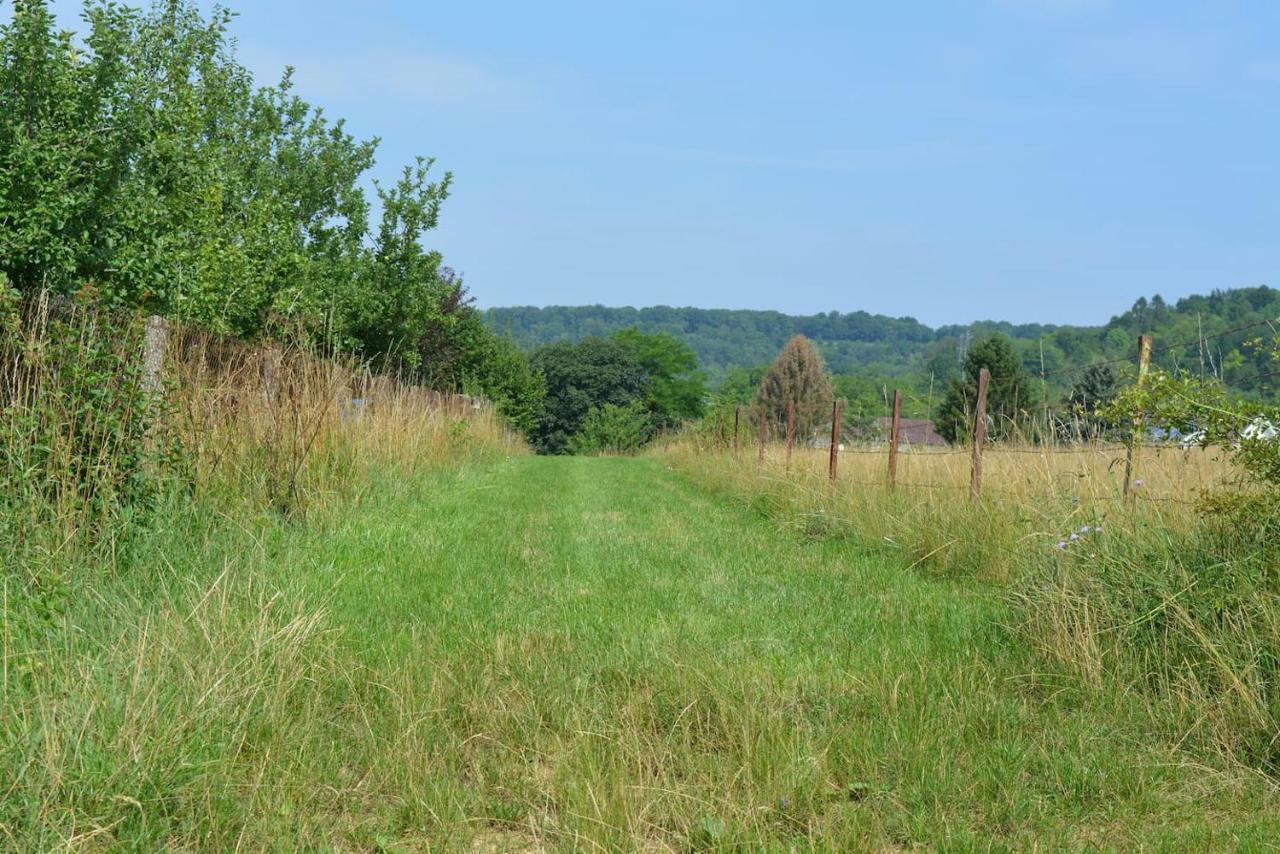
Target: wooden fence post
{"type": "Point", "coordinates": [760, 454]}
{"type": "Point", "coordinates": [1144, 366]}
{"type": "Point", "coordinates": [895, 427]}
{"type": "Point", "coordinates": [156, 343]}
{"type": "Point", "coordinates": [737, 416]}
{"type": "Point", "coordinates": [791, 430]}
{"type": "Point", "coordinates": [979, 435]}
{"type": "Point", "coordinates": [834, 458]}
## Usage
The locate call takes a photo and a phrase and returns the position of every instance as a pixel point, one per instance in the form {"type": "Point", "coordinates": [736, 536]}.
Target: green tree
{"type": "Point", "coordinates": [798, 376]}
{"type": "Point", "coordinates": [864, 402]}
{"type": "Point", "coordinates": [1008, 392]}
{"type": "Point", "coordinates": [739, 385]}
{"type": "Point", "coordinates": [676, 390]}
{"type": "Point", "coordinates": [502, 373]}
{"type": "Point", "coordinates": [579, 378]}
{"type": "Point", "coordinates": [404, 300]}
{"type": "Point", "coordinates": [142, 165]}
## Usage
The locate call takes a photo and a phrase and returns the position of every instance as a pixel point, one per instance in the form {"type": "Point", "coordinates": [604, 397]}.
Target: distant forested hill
{"type": "Point", "coordinates": [726, 338]}
{"type": "Point", "coordinates": [1214, 331]}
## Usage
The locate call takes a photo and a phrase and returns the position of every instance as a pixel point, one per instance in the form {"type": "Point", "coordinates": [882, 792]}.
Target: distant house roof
{"type": "Point", "coordinates": [913, 431]}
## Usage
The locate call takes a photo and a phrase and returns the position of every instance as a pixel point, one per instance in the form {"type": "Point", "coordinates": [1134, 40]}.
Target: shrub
{"type": "Point", "coordinates": [1188, 616]}
{"type": "Point", "coordinates": [613, 429]}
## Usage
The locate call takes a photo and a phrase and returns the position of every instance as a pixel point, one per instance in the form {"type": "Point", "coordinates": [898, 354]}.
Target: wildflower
{"type": "Point", "coordinates": [1138, 482]}
{"type": "Point", "coordinates": [1073, 537]}
{"type": "Point", "coordinates": [1062, 544]}
{"type": "Point", "coordinates": [1086, 529]}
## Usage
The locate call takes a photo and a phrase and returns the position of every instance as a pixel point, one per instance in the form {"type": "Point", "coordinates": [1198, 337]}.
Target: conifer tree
{"type": "Point", "coordinates": [799, 375]}
{"type": "Point", "coordinates": [1009, 396]}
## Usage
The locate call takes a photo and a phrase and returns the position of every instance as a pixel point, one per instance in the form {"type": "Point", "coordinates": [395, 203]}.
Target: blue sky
{"type": "Point", "coordinates": [1046, 160]}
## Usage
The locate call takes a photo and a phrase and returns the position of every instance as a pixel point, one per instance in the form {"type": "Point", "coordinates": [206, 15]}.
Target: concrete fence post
{"type": "Point", "coordinates": [155, 347]}
{"type": "Point", "coordinates": [979, 435]}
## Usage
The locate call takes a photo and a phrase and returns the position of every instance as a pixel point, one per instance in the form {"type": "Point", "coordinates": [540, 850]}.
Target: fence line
{"type": "Point", "coordinates": [903, 460]}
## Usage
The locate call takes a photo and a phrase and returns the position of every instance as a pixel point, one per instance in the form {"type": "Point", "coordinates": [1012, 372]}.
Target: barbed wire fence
{"type": "Point", "coordinates": [1124, 456]}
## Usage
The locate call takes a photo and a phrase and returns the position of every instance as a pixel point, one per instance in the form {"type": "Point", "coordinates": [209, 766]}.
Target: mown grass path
{"type": "Point", "coordinates": [593, 653]}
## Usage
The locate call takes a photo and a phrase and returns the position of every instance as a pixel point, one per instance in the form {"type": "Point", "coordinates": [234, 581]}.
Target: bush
{"type": "Point", "coordinates": [613, 429]}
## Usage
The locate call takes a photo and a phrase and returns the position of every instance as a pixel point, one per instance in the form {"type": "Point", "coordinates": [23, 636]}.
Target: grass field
{"type": "Point", "coordinates": [576, 654]}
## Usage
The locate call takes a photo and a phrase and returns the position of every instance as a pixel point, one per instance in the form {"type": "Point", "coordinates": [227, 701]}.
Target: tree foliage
{"type": "Point", "coordinates": [140, 163]}
{"type": "Point", "coordinates": [1214, 334]}
{"type": "Point", "coordinates": [798, 376]}
{"type": "Point", "coordinates": [1090, 395]}
{"type": "Point", "coordinates": [613, 429]}
{"type": "Point", "coordinates": [630, 369]}
{"type": "Point", "coordinates": [580, 378]}
{"type": "Point", "coordinates": [1202, 407]}
{"type": "Point", "coordinates": [676, 390]}
{"type": "Point", "coordinates": [1009, 394]}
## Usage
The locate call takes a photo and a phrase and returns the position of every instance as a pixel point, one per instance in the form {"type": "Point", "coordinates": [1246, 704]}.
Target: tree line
{"type": "Point", "coordinates": [1218, 334]}
{"type": "Point", "coordinates": [143, 168]}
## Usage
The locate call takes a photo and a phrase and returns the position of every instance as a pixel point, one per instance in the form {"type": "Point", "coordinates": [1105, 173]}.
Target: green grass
{"type": "Point", "coordinates": [569, 653]}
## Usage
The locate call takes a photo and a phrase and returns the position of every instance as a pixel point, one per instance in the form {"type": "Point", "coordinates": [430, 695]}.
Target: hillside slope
{"type": "Point", "coordinates": [1224, 322]}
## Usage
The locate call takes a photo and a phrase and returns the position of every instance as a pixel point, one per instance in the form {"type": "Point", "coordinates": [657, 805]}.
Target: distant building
{"type": "Point", "coordinates": [912, 433]}
{"type": "Point", "coordinates": [917, 432]}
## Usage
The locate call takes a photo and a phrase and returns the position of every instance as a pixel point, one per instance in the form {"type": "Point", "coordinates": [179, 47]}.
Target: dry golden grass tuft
{"type": "Point", "coordinates": [289, 426]}
{"type": "Point", "coordinates": [1032, 498]}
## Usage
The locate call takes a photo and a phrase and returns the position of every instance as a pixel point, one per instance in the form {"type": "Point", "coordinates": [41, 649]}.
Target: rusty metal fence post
{"type": "Point", "coordinates": [895, 427]}
{"type": "Point", "coordinates": [737, 416]}
{"type": "Point", "coordinates": [760, 453]}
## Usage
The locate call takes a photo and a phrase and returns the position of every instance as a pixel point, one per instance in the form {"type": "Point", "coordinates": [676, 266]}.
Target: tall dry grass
{"type": "Point", "coordinates": [74, 416]}
{"type": "Point", "coordinates": [280, 425]}
{"type": "Point", "coordinates": [1170, 595]}
{"type": "Point", "coordinates": [91, 439]}
{"type": "Point", "coordinates": [157, 690]}
{"type": "Point", "coordinates": [1033, 498]}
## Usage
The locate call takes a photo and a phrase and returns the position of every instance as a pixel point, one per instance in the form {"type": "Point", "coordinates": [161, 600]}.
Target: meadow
{"type": "Point", "coordinates": [270, 580]}
{"type": "Point", "coordinates": [572, 653]}
{"type": "Point", "coordinates": [264, 599]}
{"type": "Point", "coordinates": [385, 625]}
{"type": "Point", "coordinates": [1167, 596]}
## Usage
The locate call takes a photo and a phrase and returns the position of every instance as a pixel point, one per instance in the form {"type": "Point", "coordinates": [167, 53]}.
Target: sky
{"type": "Point", "coordinates": [1024, 160]}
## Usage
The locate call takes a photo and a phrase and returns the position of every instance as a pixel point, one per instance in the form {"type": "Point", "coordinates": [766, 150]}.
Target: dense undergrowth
{"type": "Point", "coordinates": [1172, 597]}
{"type": "Point", "coordinates": [152, 667]}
